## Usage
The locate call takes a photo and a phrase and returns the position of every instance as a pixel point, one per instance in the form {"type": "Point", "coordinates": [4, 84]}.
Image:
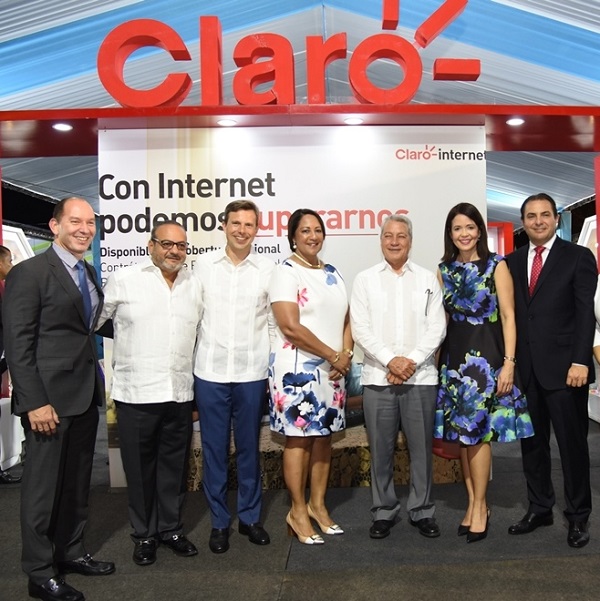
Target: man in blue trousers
{"type": "Point", "coordinates": [230, 372]}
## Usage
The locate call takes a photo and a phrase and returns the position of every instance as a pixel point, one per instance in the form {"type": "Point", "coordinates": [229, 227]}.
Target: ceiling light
{"type": "Point", "coordinates": [515, 121]}
{"type": "Point", "coordinates": [353, 121]}
{"type": "Point", "coordinates": [227, 122]}
{"type": "Point", "coordinates": [62, 127]}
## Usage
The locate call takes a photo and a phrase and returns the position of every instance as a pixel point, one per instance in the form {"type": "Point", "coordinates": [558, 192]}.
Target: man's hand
{"type": "Point", "coordinates": [401, 367]}
{"type": "Point", "coordinates": [43, 420]}
{"type": "Point", "coordinates": [394, 380]}
{"type": "Point", "coordinates": [577, 375]}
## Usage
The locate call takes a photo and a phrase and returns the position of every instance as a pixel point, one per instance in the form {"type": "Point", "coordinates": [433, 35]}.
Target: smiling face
{"type": "Point", "coordinates": [171, 260]}
{"type": "Point", "coordinates": [539, 221]}
{"type": "Point", "coordinates": [76, 227]}
{"type": "Point", "coordinates": [240, 230]}
{"type": "Point", "coordinates": [309, 238]}
{"type": "Point", "coordinates": [395, 243]}
{"type": "Point", "coordinates": [464, 234]}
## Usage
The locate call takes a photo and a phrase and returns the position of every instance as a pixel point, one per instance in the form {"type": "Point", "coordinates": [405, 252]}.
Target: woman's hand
{"type": "Point", "coordinates": [340, 366]}
{"type": "Point", "coordinates": [506, 378]}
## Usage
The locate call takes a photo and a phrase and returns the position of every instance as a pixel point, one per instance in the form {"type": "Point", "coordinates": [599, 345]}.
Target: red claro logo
{"type": "Point", "coordinates": [265, 58]}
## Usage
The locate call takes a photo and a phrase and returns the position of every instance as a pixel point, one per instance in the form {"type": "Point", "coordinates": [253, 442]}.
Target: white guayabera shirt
{"type": "Point", "coordinates": [397, 315]}
{"type": "Point", "coordinates": [155, 333]}
{"type": "Point", "coordinates": [233, 341]}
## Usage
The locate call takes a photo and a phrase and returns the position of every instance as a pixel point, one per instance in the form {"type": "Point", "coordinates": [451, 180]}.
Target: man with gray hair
{"type": "Point", "coordinates": [398, 321]}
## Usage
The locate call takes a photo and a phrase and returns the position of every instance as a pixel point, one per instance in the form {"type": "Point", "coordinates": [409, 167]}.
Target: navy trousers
{"type": "Point", "coordinates": [223, 406]}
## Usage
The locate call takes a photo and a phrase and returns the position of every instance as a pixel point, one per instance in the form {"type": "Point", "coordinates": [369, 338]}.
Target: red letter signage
{"type": "Point", "coordinates": [125, 39]}
{"type": "Point", "coordinates": [253, 72]}
{"type": "Point", "coordinates": [268, 58]}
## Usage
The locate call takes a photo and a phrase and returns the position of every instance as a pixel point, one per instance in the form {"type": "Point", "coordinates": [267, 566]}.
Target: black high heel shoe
{"type": "Point", "coordinates": [462, 530]}
{"type": "Point", "coordinates": [473, 537]}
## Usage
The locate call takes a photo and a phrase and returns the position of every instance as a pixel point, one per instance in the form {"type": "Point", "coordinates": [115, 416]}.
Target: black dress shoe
{"type": "Point", "coordinates": [87, 566]}
{"type": "Point", "coordinates": [144, 551]}
{"type": "Point", "coordinates": [55, 589]}
{"type": "Point", "coordinates": [219, 540]}
{"type": "Point", "coordinates": [6, 478]}
{"type": "Point", "coordinates": [427, 527]}
{"type": "Point", "coordinates": [180, 545]}
{"type": "Point", "coordinates": [530, 522]}
{"type": "Point", "coordinates": [255, 532]}
{"type": "Point", "coordinates": [579, 535]}
{"type": "Point", "coordinates": [462, 530]}
{"type": "Point", "coordinates": [380, 528]}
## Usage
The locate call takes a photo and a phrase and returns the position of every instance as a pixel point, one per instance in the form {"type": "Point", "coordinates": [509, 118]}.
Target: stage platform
{"type": "Point", "coordinates": [350, 462]}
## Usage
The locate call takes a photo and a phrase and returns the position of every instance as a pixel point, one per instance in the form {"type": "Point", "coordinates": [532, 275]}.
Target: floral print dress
{"type": "Point", "coordinates": [468, 409]}
{"type": "Point", "coordinates": [303, 401]}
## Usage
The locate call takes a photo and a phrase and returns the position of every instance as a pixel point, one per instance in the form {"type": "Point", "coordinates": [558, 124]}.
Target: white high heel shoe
{"type": "Point", "coordinates": [331, 529]}
{"type": "Point", "coordinates": [314, 539]}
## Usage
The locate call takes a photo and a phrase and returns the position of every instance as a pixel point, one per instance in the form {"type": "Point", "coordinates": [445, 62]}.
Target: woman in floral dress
{"type": "Point", "coordinates": [478, 401]}
{"type": "Point", "coordinates": [311, 349]}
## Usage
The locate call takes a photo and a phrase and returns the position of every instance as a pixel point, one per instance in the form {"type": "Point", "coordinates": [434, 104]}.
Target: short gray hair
{"type": "Point", "coordinates": [398, 219]}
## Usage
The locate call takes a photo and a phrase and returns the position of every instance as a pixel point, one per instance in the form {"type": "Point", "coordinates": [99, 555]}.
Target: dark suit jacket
{"type": "Point", "coordinates": [51, 352]}
{"type": "Point", "coordinates": [556, 326]}
{"type": "Point", "coordinates": [2, 360]}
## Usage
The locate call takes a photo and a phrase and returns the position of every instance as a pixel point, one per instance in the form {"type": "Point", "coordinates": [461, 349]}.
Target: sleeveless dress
{"type": "Point", "coordinates": [468, 410]}
{"type": "Point", "coordinates": [303, 400]}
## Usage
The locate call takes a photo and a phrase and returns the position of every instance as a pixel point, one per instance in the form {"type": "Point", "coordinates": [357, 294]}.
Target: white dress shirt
{"type": "Point", "coordinates": [154, 333]}
{"type": "Point", "coordinates": [70, 262]}
{"type": "Point", "coordinates": [233, 342]}
{"type": "Point", "coordinates": [531, 254]}
{"type": "Point", "coordinates": [397, 315]}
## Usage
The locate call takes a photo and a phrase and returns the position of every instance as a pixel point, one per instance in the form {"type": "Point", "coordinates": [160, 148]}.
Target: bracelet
{"type": "Point", "coordinates": [513, 359]}
{"type": "Point", "coordinates": [337, 358]}
{"type": "Point", "coordinates": [348, 352]}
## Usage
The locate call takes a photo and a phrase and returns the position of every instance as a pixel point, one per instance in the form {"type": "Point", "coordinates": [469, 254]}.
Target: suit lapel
{"type": "Point", "coordinates": [92, 274]}
{"type": "Point", "coordinates": [59, 271]}
{"type": "Point", "coordinates": [551, 261]}
{"type": "Point", "coordinates": [520, 277]}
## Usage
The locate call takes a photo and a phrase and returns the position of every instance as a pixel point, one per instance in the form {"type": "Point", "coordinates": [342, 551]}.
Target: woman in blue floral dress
{"type": "Point", "coordinates": [478, 400]}
{"type": "Point", "coordinates": [311, 349]}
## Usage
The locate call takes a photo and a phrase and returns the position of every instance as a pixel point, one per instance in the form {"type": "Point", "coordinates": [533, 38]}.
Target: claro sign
{"type": "Point", "coordinates": [265, 58]}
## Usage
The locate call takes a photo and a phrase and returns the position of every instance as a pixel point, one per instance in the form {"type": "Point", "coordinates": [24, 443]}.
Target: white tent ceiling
{"type": "Point", "coordinates": [532, 52]}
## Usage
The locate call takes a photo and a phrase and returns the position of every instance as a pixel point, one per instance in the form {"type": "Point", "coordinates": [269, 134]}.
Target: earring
{"type": "Point", "coordinates": [294, 246]}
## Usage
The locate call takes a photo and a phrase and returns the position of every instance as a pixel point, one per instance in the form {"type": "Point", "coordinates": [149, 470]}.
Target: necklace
{"type": "Point", "coordinates": [301, 258]}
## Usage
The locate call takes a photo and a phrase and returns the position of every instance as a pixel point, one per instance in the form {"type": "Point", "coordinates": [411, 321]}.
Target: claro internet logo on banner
{"type": "Point", "coordinates": [430, 152]}
{"type": "Point", "coordinates": [264, 58]}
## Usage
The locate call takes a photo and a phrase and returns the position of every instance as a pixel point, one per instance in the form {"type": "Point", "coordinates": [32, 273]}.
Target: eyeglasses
{"type": "Point", "coordinates": [169, 244]}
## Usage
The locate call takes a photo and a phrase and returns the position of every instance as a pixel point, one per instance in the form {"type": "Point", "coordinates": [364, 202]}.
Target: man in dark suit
{"type": "Point", "coordinates": [5, 267]}
{"type": "Point", "coordinates": [51, 304]}
{"type": "Point", "coordinates": [555, 282]}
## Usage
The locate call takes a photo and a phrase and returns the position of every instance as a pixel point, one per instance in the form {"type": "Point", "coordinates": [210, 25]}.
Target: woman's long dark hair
{"type": "Point", "coordinates": [472, 212]}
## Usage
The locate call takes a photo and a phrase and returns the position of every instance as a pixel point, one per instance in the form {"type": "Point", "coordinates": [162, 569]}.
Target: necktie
{"type": "Point", "coordinates": [536, 268]}
{"type": "Point", "coordinates": [85, 292]}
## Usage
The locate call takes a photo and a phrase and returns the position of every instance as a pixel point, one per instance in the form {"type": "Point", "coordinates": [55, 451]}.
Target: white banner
{"type": "Point", "coordinates": [354, 176]}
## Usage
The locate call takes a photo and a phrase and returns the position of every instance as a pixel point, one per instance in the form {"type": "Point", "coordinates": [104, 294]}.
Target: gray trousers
{"type": "Point", "coordinates": [411, 409]}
